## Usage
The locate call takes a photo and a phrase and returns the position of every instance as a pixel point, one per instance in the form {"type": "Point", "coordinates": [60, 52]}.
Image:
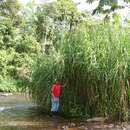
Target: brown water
{"type": "Point", "coordinates": [17, 112]}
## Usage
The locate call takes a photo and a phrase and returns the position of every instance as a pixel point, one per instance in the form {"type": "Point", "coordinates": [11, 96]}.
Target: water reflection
{"type": "Point", "coordinates": [17, 112]}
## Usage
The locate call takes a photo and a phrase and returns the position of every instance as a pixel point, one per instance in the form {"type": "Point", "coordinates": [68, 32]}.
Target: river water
{"type": "Point", "coordinates": [17, 112]}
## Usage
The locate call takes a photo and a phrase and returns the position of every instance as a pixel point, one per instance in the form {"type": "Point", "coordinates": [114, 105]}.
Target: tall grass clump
{"type": "Point", "coordinates": [45, 71]}
{"type": "Point", "coordinates": [96, 64]}
{"type": "Point", "coordinates": [94, 59]}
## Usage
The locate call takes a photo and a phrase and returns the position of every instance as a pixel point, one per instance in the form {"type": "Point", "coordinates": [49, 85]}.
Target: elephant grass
{"type": "Point", "coordinates": [95, 61]}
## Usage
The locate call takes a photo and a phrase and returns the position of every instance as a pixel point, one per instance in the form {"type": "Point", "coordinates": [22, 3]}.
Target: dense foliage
{"type": "Point", "coordinates": [17, 51]}
{"type": "Point", "coordinates": [113, 5]}
{"type": "Point", "coordinates": [53, 20]}
{"type": "Point", "coordinates": [55, 41]}
{"type": "Point", "coordinates": [94, 59]}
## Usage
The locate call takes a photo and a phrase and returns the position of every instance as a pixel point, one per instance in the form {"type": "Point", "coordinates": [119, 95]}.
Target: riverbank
{"type": "Point", "coordinates": [18, 112]}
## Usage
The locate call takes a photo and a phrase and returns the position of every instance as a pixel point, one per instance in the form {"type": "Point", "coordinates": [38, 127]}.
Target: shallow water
{"type": "Point", "coordinates": [17, 112]}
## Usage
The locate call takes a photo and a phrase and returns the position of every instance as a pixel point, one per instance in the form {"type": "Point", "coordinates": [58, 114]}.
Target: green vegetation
{"type": "Point", "coordinates": [18, 50]}
{"type": "Point", "coordinates": [113, 4]}
{"type": "Point", "coordinates": [94, 59]}
{"type": "Point", "coordinates": [55, 40]}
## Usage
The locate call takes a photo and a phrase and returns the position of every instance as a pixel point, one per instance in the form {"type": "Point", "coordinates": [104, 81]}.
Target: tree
{"type": "Point", "coordinates": [28, 17]}
{"type": "Point", "coordinates": [10, 9]}
{"type": "Point", "coordinates": [112, 3]}
{"type": "Point", "coordinates": [18, 50]}
{"type": "Point", "coordinates": [53, 19]}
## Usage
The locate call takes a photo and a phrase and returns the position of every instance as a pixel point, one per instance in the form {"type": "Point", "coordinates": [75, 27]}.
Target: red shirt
{"type": "Point", "coordinates": [56, 89]}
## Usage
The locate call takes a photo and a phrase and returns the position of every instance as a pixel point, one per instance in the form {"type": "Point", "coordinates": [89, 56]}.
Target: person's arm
{"type": "Point", "coordinates": [64, 85]}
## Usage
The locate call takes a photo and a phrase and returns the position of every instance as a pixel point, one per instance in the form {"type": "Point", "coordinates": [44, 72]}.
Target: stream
{"type": "Point", "coordinates": [18, 112]}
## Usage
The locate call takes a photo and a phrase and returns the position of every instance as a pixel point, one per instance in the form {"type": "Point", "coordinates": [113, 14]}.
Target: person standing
{"type": "Point", "coordinates": [56, 90]}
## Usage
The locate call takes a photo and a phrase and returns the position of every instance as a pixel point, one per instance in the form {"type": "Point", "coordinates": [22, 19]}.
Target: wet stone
{"type": "Point", "coordinates": [65, 127]}
{"type": "Point", "coordinates": [82, 127]}
{"type": "Point", "coordinates": [96, 119]}
{"type": "Point", "coordinates": [72, 125]}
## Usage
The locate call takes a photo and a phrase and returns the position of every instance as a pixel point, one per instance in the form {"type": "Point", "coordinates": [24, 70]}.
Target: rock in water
{"type": "Point", "coordinates": [6, 94]}
{"type": "Point", "coordinates": [96, 119]}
